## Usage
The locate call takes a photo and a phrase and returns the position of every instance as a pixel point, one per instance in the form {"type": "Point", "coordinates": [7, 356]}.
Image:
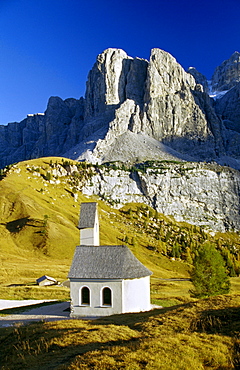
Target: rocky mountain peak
{"type": "Point", "coordinates": [134, 111]}
{"type": "Point", "coordinates": [131, 99]}
{"type": "Point", "coordinates": [227, 74]}
{"type": "Point", "coordinates": [114, 78]}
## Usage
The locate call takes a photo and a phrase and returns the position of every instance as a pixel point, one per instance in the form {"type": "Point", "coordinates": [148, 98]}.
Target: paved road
{"type": "Point", "coordinates": [11, 303]}
{"type": "Point", "coordinates": [57, 311]}
{"type": "Point", "coordinates": [53, 312]}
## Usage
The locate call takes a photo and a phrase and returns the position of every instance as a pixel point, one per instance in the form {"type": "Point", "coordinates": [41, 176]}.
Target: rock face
{"type": "Point", "coordinates": [199, 78]}
{"type": "Point", "coordinates": [227, 75]}
{"type": "Point", "coordinates": [42, 134]}
{"type": "Point", "coordinates": [229, 108]}
{"type": "Point", "coordinates": [172, 111]}
{"type": "Point", "coordinates": [114, 78]}
{"type": "Point", "coordinates": [201, 194]}
{"type": "Point", "coordinates": [156, 98]}
{"type": "Point", "coordinates": [132, 97]}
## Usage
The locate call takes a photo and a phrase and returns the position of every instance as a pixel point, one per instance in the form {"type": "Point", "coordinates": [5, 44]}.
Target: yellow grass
{"type": "Point", "coordinates": [198, 335]}
{"type": "Point", "coordinates": [26, 200]}
{"type": "Point", "coordinates": [28, 249]}
{"type": "Point", "coordinates": [193, 335]}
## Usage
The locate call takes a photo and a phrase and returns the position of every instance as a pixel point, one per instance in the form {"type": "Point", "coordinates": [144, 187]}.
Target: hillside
{"type": "Point", "coordinates": [40, 201]}
{"type": "Point", "coordinates": [197, 335]}
{"type": "Point", "coordinates": [39, 213]}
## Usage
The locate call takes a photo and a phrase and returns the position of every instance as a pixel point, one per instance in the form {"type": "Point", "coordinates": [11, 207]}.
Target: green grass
{"type": "Point", "coordinates": [38, 232]}
{"type": "Point", "coordinates": [165, 302]}
{"type": "Point", "coordinates": [29, 292]}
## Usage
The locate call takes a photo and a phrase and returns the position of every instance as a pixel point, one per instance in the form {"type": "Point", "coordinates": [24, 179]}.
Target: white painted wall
{"type": "Point", "coordinates": [136, 295]}
{"type": "Point", "coordinates": [90, 236]}
{"type": "Point", "coordinates": [127, 296]}
{"type": "Point", "coordinates": [96, 308]}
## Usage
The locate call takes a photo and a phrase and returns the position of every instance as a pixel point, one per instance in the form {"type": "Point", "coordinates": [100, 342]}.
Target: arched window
{"type": "Point", "coordinates": [85, 296]}
{"type": "Point", "coordinates": [107, 296]}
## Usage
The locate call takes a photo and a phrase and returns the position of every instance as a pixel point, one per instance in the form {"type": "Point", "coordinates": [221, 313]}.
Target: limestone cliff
{"type": "Point", "coordinates": [157, 99]}
{"type": "Point", "coordinates": [204, 194]}
{"type": "Point", "coordinates": [51, 133]}
{"type": "Point", "coordinates": [201, 194]}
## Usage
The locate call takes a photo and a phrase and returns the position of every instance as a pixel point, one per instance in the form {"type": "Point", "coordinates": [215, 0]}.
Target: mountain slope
{"type": "Point", "coordinates": [39, 215]}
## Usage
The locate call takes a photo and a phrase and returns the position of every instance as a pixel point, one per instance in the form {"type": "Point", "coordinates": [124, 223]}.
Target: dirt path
{"type": "Point", "coordinates": [57, 311]}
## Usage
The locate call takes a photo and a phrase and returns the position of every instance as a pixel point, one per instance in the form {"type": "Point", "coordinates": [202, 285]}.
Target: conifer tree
{"type": "Point", "coordinates": [209, 275]}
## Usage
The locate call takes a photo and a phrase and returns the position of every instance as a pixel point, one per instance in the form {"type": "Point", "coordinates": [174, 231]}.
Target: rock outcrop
{"type": "Point", "coordinates": [228, 107]}
{"type": "Point", "coordinates": [199, 78]}
{"type": "Point", "coordinates": [156, 98]}
{"type": "Point", "coordinates": [201, 194]}
{"type": "Point", "coordinates": [172, 110]}
{"type": "Point", "coordinates": [51, 133]}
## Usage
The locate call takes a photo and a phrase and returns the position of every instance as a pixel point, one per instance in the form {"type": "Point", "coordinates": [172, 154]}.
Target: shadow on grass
{"type": "Point", "coordinates": [17, 225]}
{"type": "Point", "coordinates": [130, 319]}
{"type": "Point", "coordinates": [224, 321]}
{"type": "Point", "coordinates": [55, 354]}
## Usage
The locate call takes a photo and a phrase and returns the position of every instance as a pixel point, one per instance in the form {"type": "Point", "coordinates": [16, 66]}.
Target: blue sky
{"type": "Point", "coordinates": [47, 47]}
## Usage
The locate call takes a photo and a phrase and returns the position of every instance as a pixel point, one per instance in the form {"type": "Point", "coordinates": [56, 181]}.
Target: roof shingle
{"type": "Point", "coordinates": [106, 262]}
{"type": "Point", "coordinates": [88, 214]}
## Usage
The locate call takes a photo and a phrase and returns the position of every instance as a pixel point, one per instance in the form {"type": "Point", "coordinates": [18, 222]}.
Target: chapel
{"type": "Point", "coordinates": [105, 279]}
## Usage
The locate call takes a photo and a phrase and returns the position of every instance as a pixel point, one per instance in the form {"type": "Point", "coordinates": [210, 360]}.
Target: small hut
{"type": "Point", "coordinates": [46, 280]}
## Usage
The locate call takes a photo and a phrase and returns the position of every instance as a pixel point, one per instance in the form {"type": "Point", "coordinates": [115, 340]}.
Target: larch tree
{"type": "Point", "coordinates": [209, 274]}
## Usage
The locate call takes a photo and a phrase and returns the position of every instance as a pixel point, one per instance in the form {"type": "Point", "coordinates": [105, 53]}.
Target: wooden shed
{"type": "Point", "coordinates": [46, 280]}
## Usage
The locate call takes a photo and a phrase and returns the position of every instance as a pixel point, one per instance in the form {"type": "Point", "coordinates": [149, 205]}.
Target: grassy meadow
{"type": "Point", "coordinates": [38, 233]}
{"type": "Point", "coordinates": [196, 335]}
{"type": "Point", "coordinates": [39, 213]}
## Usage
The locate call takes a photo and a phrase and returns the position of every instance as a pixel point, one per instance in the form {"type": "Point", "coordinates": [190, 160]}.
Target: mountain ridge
{"type": "Point", "coordinates": [156, 98]}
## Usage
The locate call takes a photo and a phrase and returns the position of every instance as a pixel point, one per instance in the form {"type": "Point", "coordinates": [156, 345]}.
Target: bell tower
{"type": "Point", "coordinates": [89, 224]}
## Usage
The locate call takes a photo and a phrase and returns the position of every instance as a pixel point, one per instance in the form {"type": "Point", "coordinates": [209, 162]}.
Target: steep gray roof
{"type": "Point", "coordinates": [87, 215]}
{"type": "Point", "coordinates": [106, 262]}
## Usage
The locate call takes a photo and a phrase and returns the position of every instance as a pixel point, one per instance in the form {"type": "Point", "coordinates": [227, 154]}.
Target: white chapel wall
{"type": "Point", "coordinates": [89, 237]}
{"type": "Point", "coordinates": [136, 295]}
{"type": "Point", "coordinates": [96, 232]}
{"type": "Point", "coordinates": [96, 308]}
